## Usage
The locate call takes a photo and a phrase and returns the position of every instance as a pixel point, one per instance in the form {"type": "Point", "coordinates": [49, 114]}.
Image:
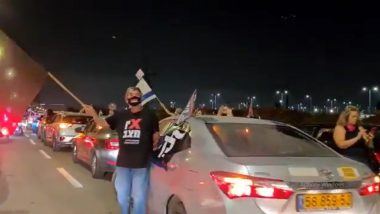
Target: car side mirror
{"type": "Point", "coordinates": [79, 130]}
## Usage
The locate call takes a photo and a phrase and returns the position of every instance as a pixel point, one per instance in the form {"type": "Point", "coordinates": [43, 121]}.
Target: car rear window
{"type": "Point", "coordinates": [76, 119]}
{"type": "Point", "coordinates": [246, 140]}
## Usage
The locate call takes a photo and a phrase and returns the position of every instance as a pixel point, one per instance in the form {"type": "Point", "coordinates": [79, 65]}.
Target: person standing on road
{"type": "Point", "coordinates": [138, 137]}
{"type": "Point", "coordinates": [350, 137]}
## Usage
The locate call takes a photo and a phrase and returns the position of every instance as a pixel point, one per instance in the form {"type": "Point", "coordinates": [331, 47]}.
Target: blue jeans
{"type": "Point", "coordinates": [132, 185]}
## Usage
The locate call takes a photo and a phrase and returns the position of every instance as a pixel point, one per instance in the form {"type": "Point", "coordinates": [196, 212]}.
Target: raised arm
{"type": "Point", "coordinates": [98, 120]}
{"type": "Point", "coordinates": [339, 138]}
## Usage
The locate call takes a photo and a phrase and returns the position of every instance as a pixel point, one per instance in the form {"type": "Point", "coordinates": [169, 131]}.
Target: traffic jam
{"type": "Point", "coordinates": [221, 164]}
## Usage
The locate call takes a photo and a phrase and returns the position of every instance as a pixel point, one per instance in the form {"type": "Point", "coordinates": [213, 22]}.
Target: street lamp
{"type": "Point", "coordinates": [311, 101]}
{"type": "Point", "coordinates": [331, 101]}
{"type": "Point", "coordinates": [214, 97]}
{"type": "Point", "coordinates": [251, 100]}
{"type": "Point", "coordinates": [282, 94]}
{"type": "Point", "coordinates": [172, 104]}
{"type": "Point", "coordinates": [370, 90]}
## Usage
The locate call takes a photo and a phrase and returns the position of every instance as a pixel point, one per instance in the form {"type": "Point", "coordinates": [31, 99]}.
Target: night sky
{"type": "Point", "coordinates": [234, 47]}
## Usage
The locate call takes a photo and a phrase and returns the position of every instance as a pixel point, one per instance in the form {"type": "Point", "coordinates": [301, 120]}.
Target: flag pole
{"type": "Point", "coordinates": [65, 89]}
{"type": "Point", "coordinates": [164, 107]}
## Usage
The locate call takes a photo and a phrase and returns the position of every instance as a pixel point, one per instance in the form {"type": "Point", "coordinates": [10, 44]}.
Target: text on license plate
{"type": "Point", "coordinates": [313, 202]}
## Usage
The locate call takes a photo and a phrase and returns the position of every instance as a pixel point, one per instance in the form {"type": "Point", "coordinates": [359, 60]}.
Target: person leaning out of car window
{"type": "Point", "coordinates": [350, 137]}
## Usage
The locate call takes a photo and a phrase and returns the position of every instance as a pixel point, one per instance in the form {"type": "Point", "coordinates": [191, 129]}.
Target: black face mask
{"type": "Point", "coordinates": [224, 114]}
{"type": "Point", "coordinates": [134, 101]}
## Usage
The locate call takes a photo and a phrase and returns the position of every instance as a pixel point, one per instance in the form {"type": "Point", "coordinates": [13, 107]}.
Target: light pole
{"type": "Point", "coordinates": [251, 100]}
{"type": "Point", "coordinates": [214, 97]}
{"type": "Point", "coordinates": [331, 102]}
{"type": "Point", "coordinates": [172, 104]}
{"type": "Point", "coordinates": [212, 104]}
{"type": "Point", "coordinates": [311, 101]}
{"type": "Point", "coordinates": [283, 94]}
{"type": "Point", "coordinates": [370, 90]}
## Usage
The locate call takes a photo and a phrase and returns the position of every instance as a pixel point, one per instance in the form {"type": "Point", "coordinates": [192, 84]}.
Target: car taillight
{"type": "Point", "coordinates": [242, 186]}
{"type": "Point", "coordinates": [377, 156]}
{"type": "Point", "coordinates": [112, 144]}
{"type": "Point", "coordinates": [370, 186]}
{"type": "Point", "coordinates": [64, 125]}
{"type": "Point", "coordinates": [4, 131]}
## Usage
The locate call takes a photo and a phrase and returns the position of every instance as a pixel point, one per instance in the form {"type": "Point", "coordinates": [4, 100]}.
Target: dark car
{"type": "Point", "coordinates": [97, 148]}
{"type": "Point", "coordinates": [324, 133]}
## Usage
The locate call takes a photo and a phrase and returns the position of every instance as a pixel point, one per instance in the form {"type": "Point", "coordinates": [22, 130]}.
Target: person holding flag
{"type": "Point", "coordinates": [138, 132]}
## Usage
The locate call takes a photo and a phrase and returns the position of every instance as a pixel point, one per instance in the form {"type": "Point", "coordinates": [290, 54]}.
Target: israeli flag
{"type": "Point", "coordinates": [147, 92]}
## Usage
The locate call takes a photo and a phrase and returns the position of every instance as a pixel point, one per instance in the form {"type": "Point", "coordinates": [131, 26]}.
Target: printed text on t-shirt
{"type": "Point", "coordinates": [132, 131]}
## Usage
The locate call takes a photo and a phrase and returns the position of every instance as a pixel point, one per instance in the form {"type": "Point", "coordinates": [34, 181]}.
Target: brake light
{"type": "Point", "coordinates": [65, 125]}
{"type": "Point", "coordinates": [370, 186]}
{"type": "Point", "coordinates": [4, 131]}
{"type": "Point", "coordinates": [242, 186]}
{"type": "Point", "coordinates": [5, 118]}
{"type": "Point", "coordinates": [112, 144]}
{"type": "Point", "coordinates": [377, 156]}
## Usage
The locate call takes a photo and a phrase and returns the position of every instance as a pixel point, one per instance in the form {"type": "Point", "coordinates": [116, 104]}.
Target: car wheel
{"type": "Point", "coordinates": [95, 168]}
{"type": "Point", "coordinates": [175, 206]}
{"type": "Point", "coordinates": [75, 154]}
{"type": "Point", "coordinates": [56, 147]}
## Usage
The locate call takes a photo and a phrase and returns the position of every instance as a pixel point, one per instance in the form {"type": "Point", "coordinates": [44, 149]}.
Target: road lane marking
{"type": "Point", "coordinates": [45, 154]}
{"type": "Point", "coordinates": [32, 142]}
{"type": "Point", "coordinates": [70, 178]}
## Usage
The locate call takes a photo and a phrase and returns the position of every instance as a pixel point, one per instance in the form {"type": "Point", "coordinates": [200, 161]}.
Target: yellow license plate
{"type": "Point", "coordinates": [315, 202]}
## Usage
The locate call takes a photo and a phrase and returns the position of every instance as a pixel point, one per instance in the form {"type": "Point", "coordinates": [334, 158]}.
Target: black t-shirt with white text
{"type": "Point", "coordinates": [135, 132]}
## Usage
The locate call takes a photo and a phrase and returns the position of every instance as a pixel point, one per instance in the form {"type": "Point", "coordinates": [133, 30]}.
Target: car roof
{"type": "Point", "coordinates": [68, 113]}
{"type": "Point", "coordinates": [226, 119]}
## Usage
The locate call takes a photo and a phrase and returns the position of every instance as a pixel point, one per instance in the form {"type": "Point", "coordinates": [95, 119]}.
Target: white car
{"type": "Point", "coordinates": [229, 165]}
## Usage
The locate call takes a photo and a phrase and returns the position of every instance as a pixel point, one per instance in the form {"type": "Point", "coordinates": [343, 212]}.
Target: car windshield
{"type": "Point", "coordinates": [246, 140]}
{"type": "Point", "coordinates": [76, 119]}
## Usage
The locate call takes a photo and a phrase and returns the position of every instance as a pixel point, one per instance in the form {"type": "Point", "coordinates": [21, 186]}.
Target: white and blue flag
{"type": "Point", "coordinates": [147, 93]}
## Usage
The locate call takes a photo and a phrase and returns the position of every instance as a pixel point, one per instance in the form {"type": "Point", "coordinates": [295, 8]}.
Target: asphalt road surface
{"type": "Point", "coordinates": [36, 180]}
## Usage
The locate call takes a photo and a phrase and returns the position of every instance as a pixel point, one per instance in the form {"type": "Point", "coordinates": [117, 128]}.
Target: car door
{"type": "Point", "coordinates": [80, 144]}
{"type": "Point", "coordinates": [51, 128]}
{"type": "Point", "coordinates": [166, 178]}
{"type": "Point", "coordinates": [90, 142]}
{"type": "Point", "coordinates": [84, 141]}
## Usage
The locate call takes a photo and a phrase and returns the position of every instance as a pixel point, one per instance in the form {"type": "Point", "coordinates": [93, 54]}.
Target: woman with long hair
{"type": "Point", "coordinates": [350, 137]}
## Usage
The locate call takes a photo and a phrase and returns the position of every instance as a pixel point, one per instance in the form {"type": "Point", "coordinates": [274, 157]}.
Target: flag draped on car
{"type": "Point", "coordinates": [174, 139]}
{"type": "Point", "coordinates": [21, 78]}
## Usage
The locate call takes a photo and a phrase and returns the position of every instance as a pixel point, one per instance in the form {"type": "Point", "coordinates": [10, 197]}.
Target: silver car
{"type": "Point", "coordinates": [238, 165]}
{"type": "Point", "coordinates": [61, 131]}
{"type": "Point", "coordinates": [97, 148]}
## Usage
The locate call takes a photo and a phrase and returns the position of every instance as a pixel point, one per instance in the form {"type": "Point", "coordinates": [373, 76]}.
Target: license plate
{"type": "Point", "coordinates": [318, 202]}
